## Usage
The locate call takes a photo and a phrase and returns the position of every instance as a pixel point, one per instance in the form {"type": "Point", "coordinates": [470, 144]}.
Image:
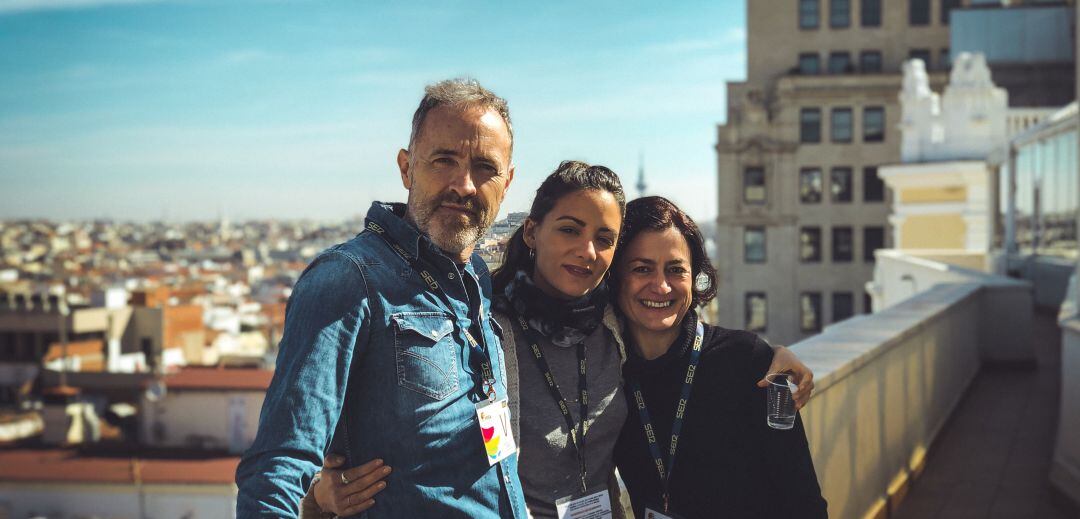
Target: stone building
{"type": "Point", "coordinates": [801, 207]}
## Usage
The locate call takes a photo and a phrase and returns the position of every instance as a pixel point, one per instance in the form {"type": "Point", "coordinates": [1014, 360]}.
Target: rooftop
{"type": "Point", "coordinates": [194, 378]}
{"type": "Point", "coordinates": [71, 466]}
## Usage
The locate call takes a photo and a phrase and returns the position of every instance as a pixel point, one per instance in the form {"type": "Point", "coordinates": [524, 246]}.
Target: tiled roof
{"type": "Point", "coordinates": [69, 466]}
{"type": "Point", "coordinates": [220, 379]}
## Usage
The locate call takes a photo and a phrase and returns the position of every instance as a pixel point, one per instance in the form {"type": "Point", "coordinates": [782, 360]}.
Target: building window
{"type": "Point", "coordinates": [873, 124]}
{"type": "Point", "coordinates": [810, 125]}
{"type": "Point", "coordinates": [839, 13]}
{"type": "Point", "coordinates": [919, 12]}
{"type": "Point", "coordinates": [810, 185]}
{"type": "Point", "coordinates": [808, 14]}
{"type": "Point", "coordinates": [870, 61]}
{"type": "Point", "coordinates": [754, 185]}
{"type": "Point", "coordinates": [757, 310]}
{"type": "Point", "coordinates": [840, 63]}
{"type": "Point", "coordinates": [843, 246]}
{"type": "Point", "coordinates": [840, 184]}
{"type": "Point", "coordinates": [873, 187]}
{"type": "Point", "coordinates": [840, 125]}
{"type": "Point", "coordinates": [809, 63]}
{"type": "Point", "coordinates": [946, 7]}
{"type": "Point", "coordinates": [754, 245]}
{"type": "Point", "coordinates": [870, 13]}
{"type": "Point", "coordinates": [810, 304]}
{"type": "Point", "coordinates": [923, 54]}
{"type": "Point", "coordinates": [873, 239]}
{"type": "Point", "coordinates": [867, 304]}
{"type": "Point", "coordinates": [843, 306]}
{"type": "Point", "coordinates": [945, 59]}
{"type": "Point", "coordinates": [810, 244]}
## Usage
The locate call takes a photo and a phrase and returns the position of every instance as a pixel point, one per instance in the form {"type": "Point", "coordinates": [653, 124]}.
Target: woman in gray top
{"type": "Point", "coordinates": [562, 350]}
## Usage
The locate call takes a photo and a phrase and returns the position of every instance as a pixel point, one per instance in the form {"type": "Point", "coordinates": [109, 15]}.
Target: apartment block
{"type": "Point", "coordinates": [801, 207]}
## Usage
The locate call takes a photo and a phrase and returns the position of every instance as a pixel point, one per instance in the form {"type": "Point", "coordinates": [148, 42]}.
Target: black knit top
{"type": "Point", "coordinates": [729, 463]}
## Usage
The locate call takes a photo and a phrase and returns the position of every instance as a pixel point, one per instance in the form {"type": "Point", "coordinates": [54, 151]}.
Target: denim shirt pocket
{"type": "Point", "coordinates": [425, 353]}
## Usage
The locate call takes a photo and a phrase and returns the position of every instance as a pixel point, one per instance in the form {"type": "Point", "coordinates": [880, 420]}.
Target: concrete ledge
{"type": "Point", "coordinates": [1008, 305]}
{"type": "Point", "coordinates": [886, 384]}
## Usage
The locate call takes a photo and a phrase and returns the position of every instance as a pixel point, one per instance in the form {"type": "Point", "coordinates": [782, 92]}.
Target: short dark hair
{"type": "Point", "coordinates": [570, 177]}
{"type": "Point", "coordinates": [461, 93]}
{"type": "Point", "coordinates": [656, 213]}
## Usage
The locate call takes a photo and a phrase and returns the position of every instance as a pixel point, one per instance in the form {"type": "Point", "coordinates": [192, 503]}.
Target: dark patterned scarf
{"type": "Point", "coordinates": [565, 323]}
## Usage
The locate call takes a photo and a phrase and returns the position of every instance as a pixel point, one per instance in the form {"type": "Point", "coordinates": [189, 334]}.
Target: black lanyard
{"type": "Point", "coordinates": [676, 426]}
{"type": "Point", "coordinates": [487, 383]}
{"type": "Point", "coordinates": [577, 433]}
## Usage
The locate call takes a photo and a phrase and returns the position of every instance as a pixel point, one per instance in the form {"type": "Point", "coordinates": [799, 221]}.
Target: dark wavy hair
{"type": "Point", "coordinates": [571, 176]}
{"type": "Point", "coordinates": [656, 213]}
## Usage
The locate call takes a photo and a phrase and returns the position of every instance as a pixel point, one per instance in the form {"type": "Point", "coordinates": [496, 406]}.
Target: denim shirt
{"type": "Point", "coordinates": [368, 341]}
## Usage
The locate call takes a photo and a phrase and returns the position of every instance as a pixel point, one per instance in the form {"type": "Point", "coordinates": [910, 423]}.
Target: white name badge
{"type": "Point", "coordinates": [653, 514]}
{"type": "Point", "coordinates": [495, 430]}
{"type": "Point", "coordinates": [592, 506]}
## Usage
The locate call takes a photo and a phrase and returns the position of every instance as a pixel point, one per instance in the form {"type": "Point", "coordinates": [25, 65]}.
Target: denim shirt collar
{"type": "Point", "coordinates": [391, 216]}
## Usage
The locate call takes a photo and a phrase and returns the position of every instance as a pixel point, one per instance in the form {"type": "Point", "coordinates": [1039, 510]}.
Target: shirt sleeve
{"type": "Point", "coordinates": [792, 478]}
{"type": "Point", "coordinates": [326, 321]}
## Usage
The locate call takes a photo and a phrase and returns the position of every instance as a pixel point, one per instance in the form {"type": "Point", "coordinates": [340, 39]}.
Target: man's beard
{"type": "Point", "coordinates": [451, 234]}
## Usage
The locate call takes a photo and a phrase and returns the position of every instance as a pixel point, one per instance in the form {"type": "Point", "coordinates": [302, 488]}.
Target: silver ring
{"type": "Point", "coordinates": [344, 478]}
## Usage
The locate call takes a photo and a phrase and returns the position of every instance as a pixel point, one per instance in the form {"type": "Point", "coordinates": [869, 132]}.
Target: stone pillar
{"type": "Point", "coordinates": [1010, 206]}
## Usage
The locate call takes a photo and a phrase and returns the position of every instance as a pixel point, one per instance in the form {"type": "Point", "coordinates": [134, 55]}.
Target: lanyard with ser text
{"type": "Point", "coordinates": [487, 385]}
{"type": "Point", "coordinates": [576, 433]}
{"type": "Point", "coordinates": [676, 425]}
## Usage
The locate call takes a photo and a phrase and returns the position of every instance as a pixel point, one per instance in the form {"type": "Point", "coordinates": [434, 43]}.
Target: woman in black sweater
{"type": "Point", "coordinates": [727, 462]}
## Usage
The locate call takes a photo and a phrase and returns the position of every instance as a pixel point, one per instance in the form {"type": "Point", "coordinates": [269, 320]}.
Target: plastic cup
{"type": "Point", "coordinates": [780, 406]}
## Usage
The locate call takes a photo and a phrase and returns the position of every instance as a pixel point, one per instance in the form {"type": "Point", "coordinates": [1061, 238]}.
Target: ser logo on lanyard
{"type": "Point", "coordinates": [663, 469]}
{"type": "Point", "coordinates": [598, 504]}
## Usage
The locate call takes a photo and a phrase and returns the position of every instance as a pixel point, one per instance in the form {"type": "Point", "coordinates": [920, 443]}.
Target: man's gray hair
{"type": "Point", "coordinates": [459, 93]}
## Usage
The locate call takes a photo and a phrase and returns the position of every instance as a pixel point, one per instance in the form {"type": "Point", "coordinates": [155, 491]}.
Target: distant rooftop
{"type": "Point", "coordinates": [194, 378]}
{"type": "Point", "coordinates": [69, 466]}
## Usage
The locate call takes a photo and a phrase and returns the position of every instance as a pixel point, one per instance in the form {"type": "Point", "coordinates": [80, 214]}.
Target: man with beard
{"type": "Point", "coordinates": [389, 346]}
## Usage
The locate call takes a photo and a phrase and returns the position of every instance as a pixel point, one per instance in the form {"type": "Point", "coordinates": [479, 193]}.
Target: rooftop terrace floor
{"type": "Point", "coordinates": [992, 458]}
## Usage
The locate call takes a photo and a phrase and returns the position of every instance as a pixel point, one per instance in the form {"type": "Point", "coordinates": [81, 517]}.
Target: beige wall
{"type": "Point", "coordinates": [922, 195]}
{"type": "Point", "coordinates": [932, 231]}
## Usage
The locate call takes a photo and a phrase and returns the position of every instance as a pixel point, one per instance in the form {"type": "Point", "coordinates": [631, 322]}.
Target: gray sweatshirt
{"type": "Point", "coordinates": [548, 463]}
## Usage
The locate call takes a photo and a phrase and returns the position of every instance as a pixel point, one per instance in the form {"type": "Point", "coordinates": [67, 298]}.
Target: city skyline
{"type": "Point", "coordinates": [192, 111]}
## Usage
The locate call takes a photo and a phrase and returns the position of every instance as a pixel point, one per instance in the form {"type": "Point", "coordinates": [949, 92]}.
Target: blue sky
{"type": "Point", "coordinates": [184, 110]}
